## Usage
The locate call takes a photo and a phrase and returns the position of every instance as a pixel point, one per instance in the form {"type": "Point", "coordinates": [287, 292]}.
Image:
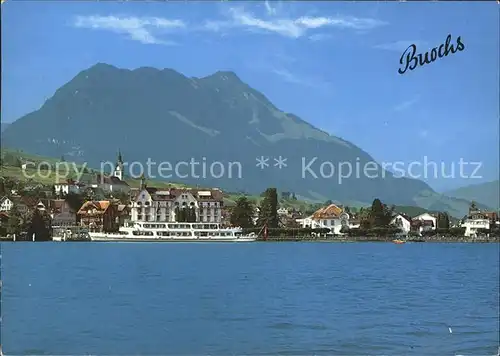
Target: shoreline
{"type": "Point", "coordinates": [460, 239]}
{"type": "Point", "coordinates": [329, 240]}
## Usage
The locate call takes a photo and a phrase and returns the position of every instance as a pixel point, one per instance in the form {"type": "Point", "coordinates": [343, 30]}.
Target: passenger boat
{"type": "Point", "coordinates": [174, 232]}
{"type": "Point", "coordinates": [398, 242]}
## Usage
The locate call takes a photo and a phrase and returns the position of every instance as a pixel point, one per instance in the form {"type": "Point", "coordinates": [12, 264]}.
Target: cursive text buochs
{"type": "Point", "coordinates": [411, 60]}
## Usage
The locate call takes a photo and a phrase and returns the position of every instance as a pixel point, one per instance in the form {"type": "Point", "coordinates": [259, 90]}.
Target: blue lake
{"type": "Point", "coordinates": [254, 299]}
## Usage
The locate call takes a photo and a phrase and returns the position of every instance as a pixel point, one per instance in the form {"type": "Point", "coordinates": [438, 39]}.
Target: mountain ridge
{"type": "Point", "coordinates": [487, 193]}
{"type": "Point", "coordinates": [161, 113]}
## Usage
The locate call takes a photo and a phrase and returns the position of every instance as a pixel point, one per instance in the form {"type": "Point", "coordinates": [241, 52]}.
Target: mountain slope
{"type": "Point", "coordinates": [484, 193]}
{"type": "Point", "coordinates": [3, 126]}
{"type": "Point", "coordinates": [162, 115]}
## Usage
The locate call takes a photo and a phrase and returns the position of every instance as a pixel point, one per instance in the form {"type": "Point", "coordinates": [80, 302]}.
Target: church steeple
{"type": "Point", "coordinates": [120, 161]}
{"type": "Point", "coordinates": [119, 167]}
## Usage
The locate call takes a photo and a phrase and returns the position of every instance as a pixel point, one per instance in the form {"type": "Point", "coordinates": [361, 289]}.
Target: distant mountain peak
{"type": "Point", "coordinates": [224, 76]}
{"type": "Point", "coordinates": [101, 66]}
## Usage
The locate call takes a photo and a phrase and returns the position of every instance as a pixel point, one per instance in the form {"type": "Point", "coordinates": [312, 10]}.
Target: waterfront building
{"type": "Point", "coordinates": [424, 222]}
{"type": "Point", "coordinates": [477, 221]}
{"type": "Point", "coordinates": [99, 216]}
{"type": "Point", "coordinates": [473, 226]}
{"type": "Point", "coordinates": [177, 205]}
{"type": "Point", "coordinates": [331, 217]}
{"type": "Point", "coordinates": [402, 222]}
{"type": "Point", "coordinates": [61, 213]}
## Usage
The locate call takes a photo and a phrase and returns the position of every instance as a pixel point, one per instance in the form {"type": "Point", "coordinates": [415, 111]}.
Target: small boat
{"type": "Point", "coordinates": [399, 242]}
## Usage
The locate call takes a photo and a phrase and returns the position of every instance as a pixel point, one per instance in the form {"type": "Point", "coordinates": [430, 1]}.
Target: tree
{"type": "Point", "coordinates": [191, 216]}
{"type": "Point", "coordinates": [328, 202]}
{"type": "Point", "coordinates": [181, 214]}
{"type": "Point", "coordinates": [75, 201]}
{"type": "Point", "coordinates": [14, 223]}
{"type": "Point", "coordinates": [380, 214]}
{"type": "Point", "coordinates": [40, 226]}
{"type": "Point", "coordinates": [184, 214]}
{"type": "Point", "coordinates": [242, 214]}
{"type": "Point", "coordinates": [10, 159]}
{"type": "Point", "coordinates": [268, 213]}
{"type": "Point", "coordinates": [123, 197]}
{"type": "Point", "coordinates": [443, 221]}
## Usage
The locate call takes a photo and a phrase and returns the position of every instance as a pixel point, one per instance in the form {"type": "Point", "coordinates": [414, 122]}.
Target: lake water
{"type": "Point", "coordinates": [254, 299]}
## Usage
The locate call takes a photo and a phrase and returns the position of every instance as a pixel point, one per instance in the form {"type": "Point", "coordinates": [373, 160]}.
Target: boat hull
{"type": "Point", "coordinates": [118, 238]}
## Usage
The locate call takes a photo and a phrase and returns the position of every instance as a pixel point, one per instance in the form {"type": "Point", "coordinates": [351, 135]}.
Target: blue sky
{"type": "Point", "coordinates": [333, 64]}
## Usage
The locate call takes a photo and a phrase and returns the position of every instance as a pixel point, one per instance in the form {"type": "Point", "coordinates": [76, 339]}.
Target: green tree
{"type": "Point", "coordinates": [191, 214]}
{"type": "Point", "coordinates": [75, 201]}
{"type": "Point", "coordinates": [40, 226]}
{"type": "Point", "coordinates": [10, 159]}
{"type": "Point", "coordinates": [328, 202]}
{"type": "Point", "coordinates": [380, 214]}
{"type": "Point", "coordinates": [123, 197]}
{"type": "Point", "coordinates": [269, 209]}
{"type": "Point", "coordinates": [443, 221]}
{"type": "Point", "coordinates": [14, 223]}
{"type": "Point", "coordinates": [181, 215]}
{"type": "Point", "coordinates": [242, 214]}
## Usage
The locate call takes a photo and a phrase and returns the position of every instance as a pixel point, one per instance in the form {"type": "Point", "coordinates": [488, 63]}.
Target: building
{"type": "Point", "coordinates": [99, 216]}
{"type": "Point", "coordinates": [64, 187]}
{"type": "Point", "coordinates": [422, 226]}
{"type": "Point", "coordinates": [25, 203]}
{"type": "Point", "coordinates": [123, 214]}
{"type": "Point", "coordinates": [61, 213]}
{"type": "Point", "coordinates": [283, 212]}
{"type": "Point", "coordinates": [473, 226]}
{"type": "Point", "coordinates": [6, 204]}
{"type": "Point", "coordinates": [305, 222]}
{"type": "Point", "coordinates": [176, 204]}
{"type": "Point", "coordinates": [331, 217]}
{"type": "Point", "coordinates": [424, 222]}
{"type": "Point", "coordinates": [402, 222]}
{"type": "Point", "coordinates": [111, 184]}
{"type": "Point", "coordinates": [478, 220]}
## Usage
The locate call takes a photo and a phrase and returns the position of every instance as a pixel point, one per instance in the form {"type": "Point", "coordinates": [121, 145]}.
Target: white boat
{"type": "Point", "coordinates": [174, 232]}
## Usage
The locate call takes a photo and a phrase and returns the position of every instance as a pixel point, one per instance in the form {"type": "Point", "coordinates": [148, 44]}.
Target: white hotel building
{"type": "Point", "coordinates": [156, 205]}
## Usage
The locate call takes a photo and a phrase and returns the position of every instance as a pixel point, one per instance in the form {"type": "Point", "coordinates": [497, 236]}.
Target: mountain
{"type": "Point", "coordinates": [164, 116]}
{"type": "Point", "coordinates": [485, 193]}
{"type": "Point", "coordinates": [3, 126]}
